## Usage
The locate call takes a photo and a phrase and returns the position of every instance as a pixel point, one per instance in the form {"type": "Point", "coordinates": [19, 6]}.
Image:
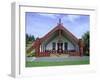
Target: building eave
{"type": "Point", "coordinates": [61, 27]}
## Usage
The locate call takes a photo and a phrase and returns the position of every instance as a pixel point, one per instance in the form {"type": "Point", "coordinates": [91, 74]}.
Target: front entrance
{"type": "Point", "coordinates": [59, 47]}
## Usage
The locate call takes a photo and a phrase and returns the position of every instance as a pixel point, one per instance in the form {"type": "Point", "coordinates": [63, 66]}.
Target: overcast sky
{"type": "Point", "coordinates": [39, 24]}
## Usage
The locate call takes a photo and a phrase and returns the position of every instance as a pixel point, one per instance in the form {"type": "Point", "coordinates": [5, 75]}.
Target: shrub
{"type": "Point", "coordinates": [30, 54]}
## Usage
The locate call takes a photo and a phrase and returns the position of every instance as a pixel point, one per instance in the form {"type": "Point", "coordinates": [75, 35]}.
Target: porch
{"type": "Point", "coordinates": [58, 53]}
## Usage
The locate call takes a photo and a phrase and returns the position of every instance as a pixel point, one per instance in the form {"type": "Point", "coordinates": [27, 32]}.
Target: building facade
{"type": "Point", "coordinates": [58, 41]}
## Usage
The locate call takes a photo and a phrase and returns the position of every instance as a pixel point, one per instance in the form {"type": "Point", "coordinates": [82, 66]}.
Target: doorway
{"type": "Point", "coordinates": [59, 47]}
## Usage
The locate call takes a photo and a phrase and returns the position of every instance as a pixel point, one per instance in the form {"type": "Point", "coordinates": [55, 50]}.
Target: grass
{"type": "Point", "coordinates": [35, 64]}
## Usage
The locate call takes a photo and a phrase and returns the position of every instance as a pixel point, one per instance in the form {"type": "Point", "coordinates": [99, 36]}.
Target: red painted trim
{"type": "Point", "coordinates": [38, 41]}
{"type": "Point", "coordinates": [60, 27]}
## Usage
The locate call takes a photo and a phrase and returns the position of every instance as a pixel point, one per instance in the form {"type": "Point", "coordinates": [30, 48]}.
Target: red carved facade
{"type": "Point", "coordinates": [58, 28]}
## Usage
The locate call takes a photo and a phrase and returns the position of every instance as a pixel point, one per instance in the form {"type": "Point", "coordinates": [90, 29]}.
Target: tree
{"type": "Point", "coordinates": [32, 38]}
{"type": "Point", "coordinates": [29, 38]}
{"type": "Point", "coordinates": [86, 39]}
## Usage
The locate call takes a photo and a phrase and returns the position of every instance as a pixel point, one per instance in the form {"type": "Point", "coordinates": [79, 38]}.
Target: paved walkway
{"type": "Point", "coordinates": [58, 59]}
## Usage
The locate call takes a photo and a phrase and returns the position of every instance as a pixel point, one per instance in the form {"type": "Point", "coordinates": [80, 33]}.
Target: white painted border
{"type": "Point", "coordinates": [18, 59]}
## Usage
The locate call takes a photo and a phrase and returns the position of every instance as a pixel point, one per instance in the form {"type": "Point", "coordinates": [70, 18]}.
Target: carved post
{"type": "Point", "coordinates": [37, 47]}
{"type": "Point", "coordinates": [81, 47]}
{"type": "Point", "coordinates": [59, 41]}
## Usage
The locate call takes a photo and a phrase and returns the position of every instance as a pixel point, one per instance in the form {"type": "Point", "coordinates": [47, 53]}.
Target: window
{"type": "Point", "coordinates": [53, 46]}
{"type": "Point", "coordinates": [66, 46]}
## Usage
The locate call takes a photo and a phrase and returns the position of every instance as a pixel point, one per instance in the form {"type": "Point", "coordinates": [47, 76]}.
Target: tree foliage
{"type": "Point", "coordinates": [29, 38]}
{"type": "Point", "coordinates": [86, 39]}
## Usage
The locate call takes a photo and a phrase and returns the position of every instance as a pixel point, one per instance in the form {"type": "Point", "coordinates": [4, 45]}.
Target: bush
{"type": "Point", "coordinates": [86, 53]}
{"type": "Point", "coordinates": [30, 54]}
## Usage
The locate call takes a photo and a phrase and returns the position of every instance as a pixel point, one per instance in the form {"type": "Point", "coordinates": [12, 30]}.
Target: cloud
{"type": "Point", "coordinates": [47, 15]}
{"type": "Point", "coordinates": [72, 18]}
{"type": "Point", "coordinates": [53, 16]}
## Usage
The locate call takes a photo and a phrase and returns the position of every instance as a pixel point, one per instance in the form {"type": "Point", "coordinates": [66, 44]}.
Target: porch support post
{"type": "Point", "coordinates": [40, 48]}
{"type": "Point", "coordinates": [56, 47]}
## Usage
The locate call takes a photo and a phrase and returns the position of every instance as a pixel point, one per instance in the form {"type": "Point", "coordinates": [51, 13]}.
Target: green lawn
{"type": "Point", "coordinates": [35, 64]}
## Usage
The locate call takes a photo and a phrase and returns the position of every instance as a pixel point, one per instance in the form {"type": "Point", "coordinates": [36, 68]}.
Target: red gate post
{"type": "Point", "coordinates": [37, 47]}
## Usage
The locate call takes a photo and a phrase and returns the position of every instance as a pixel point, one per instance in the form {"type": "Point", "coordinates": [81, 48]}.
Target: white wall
{"type": "Point", "coordinates": [70, 45]}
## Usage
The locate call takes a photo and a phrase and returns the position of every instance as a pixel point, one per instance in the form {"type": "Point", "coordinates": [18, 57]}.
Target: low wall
{"type": "Point", "coordinates": [42, 54]}
{"type": "Point", "coordinates": [45, 54]}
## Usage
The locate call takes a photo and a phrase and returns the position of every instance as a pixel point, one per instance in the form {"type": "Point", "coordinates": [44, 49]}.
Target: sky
{"type": "Point", "coordinates": [39, 24]}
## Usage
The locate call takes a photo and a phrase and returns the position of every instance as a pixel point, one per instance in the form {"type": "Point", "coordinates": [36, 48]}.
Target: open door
{"type": "Point", "coordinates": [59, 48]}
